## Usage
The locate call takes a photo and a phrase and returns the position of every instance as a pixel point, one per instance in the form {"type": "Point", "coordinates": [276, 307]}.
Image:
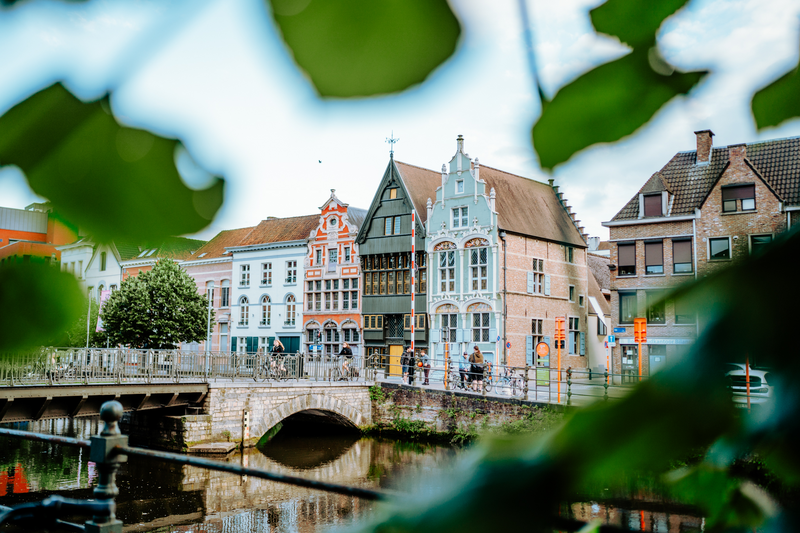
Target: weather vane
{"type": "Point", "coordinates": [391, 140]}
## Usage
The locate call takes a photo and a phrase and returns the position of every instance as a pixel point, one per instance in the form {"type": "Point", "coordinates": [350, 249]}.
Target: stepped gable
{"type": "Point", "coordinates": [529, 207]}
{"type": "Point", "coordinates": [281, 230]}
{"type": "Point", "coordinates": [777, 161]}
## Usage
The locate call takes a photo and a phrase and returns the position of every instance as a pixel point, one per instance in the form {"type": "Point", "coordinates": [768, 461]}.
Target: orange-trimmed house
{"type": "Point", "coordinates": [332, 313]}
{"type": "Point", "coordinates": [32, 234]}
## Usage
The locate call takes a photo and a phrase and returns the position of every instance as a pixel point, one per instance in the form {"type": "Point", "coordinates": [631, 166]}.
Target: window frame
{"type": "Point", "coordinates": [657, 196]}
{"type": "Point", "coordinates": [479, 271]}
{"type": "Point", "coordinates": [655, 295]}
{"type": "Point", "coordinates": [481, 331]}
{"type": "Point", "coordinates": [738, 200]}
{"type": "Point", "coordinates": [625, 295]}
{"type": "Point", "coordinates": [266, 274]}
{"type": "Point", "coordinates": [757, 235]}
{"type": "Point", "coordinates": [657, 269]}
{"type": "Point", "coordinates": [244, 275]}
{"type": "Point", "coordinates": [621, 266]}
{"type": "Point", "coordinates": [730, 249]}
{"type": "Point", "coordinates": [691, 257]}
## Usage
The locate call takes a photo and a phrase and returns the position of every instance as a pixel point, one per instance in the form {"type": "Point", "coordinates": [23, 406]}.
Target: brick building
{"type": "Point", "coordinates": [332, 277]}
{"type": "Point", "coordinates": [704, 209]}
{"type": "Point", "coordinates": [33, 234]}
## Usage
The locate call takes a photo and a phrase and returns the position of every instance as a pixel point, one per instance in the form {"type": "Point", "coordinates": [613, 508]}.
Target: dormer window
{"type": "Point", "coordinates": [392, 194]}
{"type": "Point", "coordinates": [652, 205]}
{"type": "Point", "coordinates": [738, 198]}
{"type": "Point", "coordinates": [459, 186]}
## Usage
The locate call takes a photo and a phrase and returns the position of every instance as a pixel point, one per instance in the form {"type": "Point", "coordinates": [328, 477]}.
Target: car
{"type": "Point", "coordinates": [760, 389]}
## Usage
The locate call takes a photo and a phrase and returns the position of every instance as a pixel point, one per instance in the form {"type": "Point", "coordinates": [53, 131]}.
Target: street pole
{"type": "Point", "coordinates": [88, 322]}
{"type": "Point", "coordinates": [413, 266]}
{"type": "Point", "coordinates": [209, 295]}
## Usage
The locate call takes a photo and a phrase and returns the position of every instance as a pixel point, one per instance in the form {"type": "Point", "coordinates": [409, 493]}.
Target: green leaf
{"type": "Point", "coordinates": [606, 104]}
{"type": "Point", "coordinates": [633, 21]}
{"type": "Point", "coordinates": [778, 101]}
{"type": "Point", "coordinates": [114, 182]}
{"type": "Point", "coordinates": [364, 47]}
{"type": "Point", "coordinates": [38, 303]}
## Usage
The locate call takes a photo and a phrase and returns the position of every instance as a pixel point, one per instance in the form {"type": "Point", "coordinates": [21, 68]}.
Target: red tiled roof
{"type": "Point", "coordinates": [421, 184]}
{"type": "Point", "coordinates": [281, 230]}
{"type": "Point", "coordinates": [216, 246]}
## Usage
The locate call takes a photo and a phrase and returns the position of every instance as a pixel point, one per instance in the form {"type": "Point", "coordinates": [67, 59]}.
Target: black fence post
{"type": "Point", "coordinates": [108, 462]}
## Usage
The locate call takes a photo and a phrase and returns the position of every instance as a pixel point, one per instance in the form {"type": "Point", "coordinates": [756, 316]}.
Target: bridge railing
{"type": "Point", "coordinates": [73, 366]}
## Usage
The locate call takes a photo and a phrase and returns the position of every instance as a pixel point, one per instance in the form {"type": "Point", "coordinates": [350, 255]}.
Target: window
{"type": "Point", "coordinates": [225, 293]}
{"type": "Point", "coordinates": [572, 293]}
{"type": "Point", "coordinates": [569, 254]}
{"type": "Point", "coordinates": [291, 310]}
{"type": "Point", "coordinates": [373, 322]}
{"type": "Point", "coordinates": [652, 205]}
{"type": "Point", "coordinates": [627, 307]}
{"type": "Point", "coordinates": [331, 341]}
{"type": "Point", "coordinates": [392, 226]}
{"type": "Point", "coordinates": [80, 269]}
{"type": "Point", "coordinates": [478, 268]}
{"type": "Point", "coordinates": [743, 196]}
{"type": "Point", "coordinates": [420, 320]}
{"type": "Point", "coordinates": [244, 275]}
{"type": "Point", "coordinates": [100, 290]}
{"type": "Point", "coordinates": [354, 300]}
{"type": "Point", "coordinates": [113, 287]}
{"type": "Point", "coordinates": [654, 257]}
{"type": "Point", "coordinates": [538, 277]}
{"type": "Point", "coordinates": [719, 249]}
{"type": "Point", "coordinates": [390, 285]}
{"type": "Point", "coordinates": [223, 337]}
{"type": "Point", "coordinates": [459, 186]}
{"type": "Point", "coordinates": [102, 261]}
{"type": "Point", "coordinates": [684, 314]}
{"type": "Point", "coordinates": [392, 194]}
{"type": "Point", "coordinates": [602, 330]}
{"type": "Point", "coordinates": [682, 257]}
{"type": "Point", "coordinates": [480, 327]}
{"type": "Point", "coordinates": [318, 260]}
{"type": "Point", "coordinates": [333, 256]}
{"type": "Point", "coordinates": [626, 259]}
{"type": "Point", "coordinates": [291, 272]}
{"type": "Point", "coordinates": [758, 242]}
{"type": "Point", "coordinates": [449, 327]}
{"type": "Point", "coordinates": [396, 225]}
{"type": "Point", "coordinates": [536, 331]}
{"type": "Point", "coordinates": [345, 300]}
{"type": "Point", "coordinates": [655, 307]}
{"type": "Point", "coordinates": [266, 311]}
{"type": "Point", "coordinates": [244, 311]}
{"type": "Point", "coordinates": [209, 292]}
{"type": "Point", "coordinates": [350, 335]}
{"type": "Point", "coordinates": [460, 217]}
{"type": "Point", "coordinates": [346, 254]}
{"type": "Point", "coordinates": [574, 335]}
{"type": "Point", "coordinates": [327, 301]}
{"type": "Point", "coordinates": [447, 271]}
{"type": "Point", "coordinates": [266, 273]}
{"type": "Point", "coordinates": [580, 300]}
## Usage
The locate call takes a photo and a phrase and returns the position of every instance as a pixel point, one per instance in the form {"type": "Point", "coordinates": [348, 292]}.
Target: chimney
{"type": "Point", "coordinates": [460, 143]}
{"type": "Point", "coordinates": [704, 141]}
{"type": "Point", "coordinates": [737, 152]}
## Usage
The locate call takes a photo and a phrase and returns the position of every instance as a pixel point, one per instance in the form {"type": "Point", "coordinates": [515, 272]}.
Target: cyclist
{"type": "Point", "coordinates": [277, 352]}
{"type": "Point", "coordinates": [347, 355]}
{"type": "Point", "coordinates": [463, 370]}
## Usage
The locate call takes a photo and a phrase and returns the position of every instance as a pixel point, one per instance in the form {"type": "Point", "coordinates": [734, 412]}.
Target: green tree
{"type": "Point", "coordinates": [157, 309]}
{"type": "Point", "coordinates": [75, 336]}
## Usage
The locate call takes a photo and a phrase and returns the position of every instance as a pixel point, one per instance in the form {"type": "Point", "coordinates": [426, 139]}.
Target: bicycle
{"type": "Point", "coordinates": [512, 383]}
{"type": "Point", "coordinates": [341, 371]}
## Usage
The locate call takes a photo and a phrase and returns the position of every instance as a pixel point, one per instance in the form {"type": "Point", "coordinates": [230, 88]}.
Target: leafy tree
{"type": "Point", "coordinates": [157, 309]}
{"type": "Point", "coordinates": [75, 336]}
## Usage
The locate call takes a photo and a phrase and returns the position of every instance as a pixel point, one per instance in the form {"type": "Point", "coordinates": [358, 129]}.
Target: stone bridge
{"type": "Point", "coordinates": [241, 412]}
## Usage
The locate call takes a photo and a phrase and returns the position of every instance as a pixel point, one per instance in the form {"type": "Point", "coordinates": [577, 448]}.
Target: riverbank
{"type": "Point", "coordinates": [409, 413]}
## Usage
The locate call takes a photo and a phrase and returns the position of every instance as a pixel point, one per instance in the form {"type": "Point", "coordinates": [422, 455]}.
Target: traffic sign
{"type": "Point", "coordinates": [640, 329]}
{"type": "Point", "coordinates": [508, 345]}
{"type": "Point", "coordinates": [316, 347]}
{"type": "Point", "coordinates": [542, 349]}
{"type": "Point", "coordinates": [619, 330]}
{"type": "Point", "coordinates": [612, 338]}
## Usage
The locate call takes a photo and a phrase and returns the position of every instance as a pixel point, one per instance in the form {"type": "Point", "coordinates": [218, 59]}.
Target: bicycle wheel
{"type": "Point", "coordinates": [487, 384]}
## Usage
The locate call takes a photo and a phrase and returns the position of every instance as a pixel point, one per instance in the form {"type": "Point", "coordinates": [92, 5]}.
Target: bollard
{"type": "Point", "coordinates": [605, 385]}
{"type": "Point", "coordinates": [569, 385]}
{"type": "Point", "coordinates": [107, 462]}
{"type": "Point", "coordinates": [525, 384]}
{"type": "Point", "coordinates": [590, 374]}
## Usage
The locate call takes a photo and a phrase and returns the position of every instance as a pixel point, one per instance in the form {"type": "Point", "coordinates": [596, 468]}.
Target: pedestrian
{"type": "Point", "coordinates": [404, 362]}
{"type": "Point", "coordinates": [347, 355]}
{"type": "Point", "coordinates": [277, 352]}
{"type": "Point", "coordinates": [463, 370]}
{"type": "Point", "coordinates": [426, 366]}
{"type": "Point", "coordinates": [476, 360]}
{"type": "Point", "coordinates": [412, 366]}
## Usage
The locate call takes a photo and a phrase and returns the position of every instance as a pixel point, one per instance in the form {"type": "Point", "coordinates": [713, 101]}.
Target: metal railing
{"type": "Point", "coordinates": [108, 451]}
{"type": "Point", "coordinates": [80, 366]}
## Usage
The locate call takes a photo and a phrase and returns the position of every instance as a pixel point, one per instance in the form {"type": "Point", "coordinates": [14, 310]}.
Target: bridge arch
{"type": "Point", "coordinates": [322, 404]}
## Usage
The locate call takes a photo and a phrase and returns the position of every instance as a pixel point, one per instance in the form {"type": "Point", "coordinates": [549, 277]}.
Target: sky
{"type": "Point", "coordinates": [215, 74]}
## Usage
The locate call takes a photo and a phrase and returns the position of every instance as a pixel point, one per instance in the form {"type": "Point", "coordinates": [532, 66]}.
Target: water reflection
{"type": "Point", "coordinates": [156, 496]}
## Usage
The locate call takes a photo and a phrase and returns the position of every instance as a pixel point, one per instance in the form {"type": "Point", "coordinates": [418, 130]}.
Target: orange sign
{"type": "Point", "coordinates": [560, 336]}
{"type": "Point", "coordinates": [640, 330]}
{"type": "Point", "coordinates": [542, 349]}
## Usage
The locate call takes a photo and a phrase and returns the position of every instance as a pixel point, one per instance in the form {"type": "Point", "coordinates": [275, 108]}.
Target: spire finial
{"type": "Point", "coordinates": [391, 140]}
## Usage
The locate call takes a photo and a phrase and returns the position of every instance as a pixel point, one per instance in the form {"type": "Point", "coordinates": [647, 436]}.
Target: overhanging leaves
{"type": "Point", "coordinates": [778, 101]}
{"type": "Point", "coordinates": [114, 182]}
{"type": "Point", "coordinates": [606, 104]}
{"type": "Point", "coordinates": [37, 304]}
{"type": "Point", "coordinates": [634, 22]}
{"type": "Point", "coordinates": [363, 47]}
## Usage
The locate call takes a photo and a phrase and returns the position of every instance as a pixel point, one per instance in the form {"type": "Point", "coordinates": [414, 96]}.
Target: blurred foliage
{"type": "Point", "coordinates": [778, 102]}
{"type": "Point", "coordinates": [363, 47]}
{"type": "Point", "coordinates": [159, 308]}
{"type": "Point", "coordinates": [38, 303]}
{"type": "Point", "coordinates": [616, 17]}
{"type": "Point", "coordinates": [75, 335]}
{"type": "Point", "coordinates": [76, 155]}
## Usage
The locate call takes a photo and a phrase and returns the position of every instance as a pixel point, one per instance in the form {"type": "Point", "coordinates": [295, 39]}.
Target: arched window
{"type": "Point", "coordinates": [291, 310]}
{"type": "Point", "coordinates": [100, 289]}
{"type": "Point", "coordinates": [244, 311]}
{"type": "Point", "coordinates": [225, 293]}
{"type": "Point", "coordinates": [210, 292]}
{"type": "Point", "coordinates": [266, 311]}
{"type": "Point", "coordinates": [102, 261]}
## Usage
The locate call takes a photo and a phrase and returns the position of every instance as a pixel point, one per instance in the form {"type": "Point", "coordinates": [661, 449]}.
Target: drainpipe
{"type": "Point", "coordinates": [694, 257]}
{"type": "Point", "coordinates": [502, 235]}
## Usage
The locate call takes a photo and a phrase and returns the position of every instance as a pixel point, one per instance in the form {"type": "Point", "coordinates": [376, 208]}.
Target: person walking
{"type": "Point", "coordinates": [476, 360]}
{"type": "Point", "coordinates": [426, 366]}
{"type": "Point", "coordinates": [463, 370]}
{"type": "Point", "coordinates": [412, 366]}
{"type": "Point", "coordinates": [347, 355]}
{"type": "Point", "coordinates": [404, 362]}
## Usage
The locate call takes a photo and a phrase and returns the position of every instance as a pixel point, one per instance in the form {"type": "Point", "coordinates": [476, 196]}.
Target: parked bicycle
{"type": "Point", "coordinates": [511, 383]}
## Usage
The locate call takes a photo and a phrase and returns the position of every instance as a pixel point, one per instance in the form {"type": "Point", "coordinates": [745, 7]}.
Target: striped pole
{"type": "Point", "coordinates": [413, 266]}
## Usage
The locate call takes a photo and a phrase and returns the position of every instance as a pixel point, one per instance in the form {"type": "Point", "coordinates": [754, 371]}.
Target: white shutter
{"type": "Point", "coordinates": [547, 284]}
{"type": "Point", "coordinates": [530, 282]}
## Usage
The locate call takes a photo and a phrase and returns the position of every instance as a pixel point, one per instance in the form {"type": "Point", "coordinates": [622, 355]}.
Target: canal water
{"type": "Point", "coordinates": [155, 496]}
